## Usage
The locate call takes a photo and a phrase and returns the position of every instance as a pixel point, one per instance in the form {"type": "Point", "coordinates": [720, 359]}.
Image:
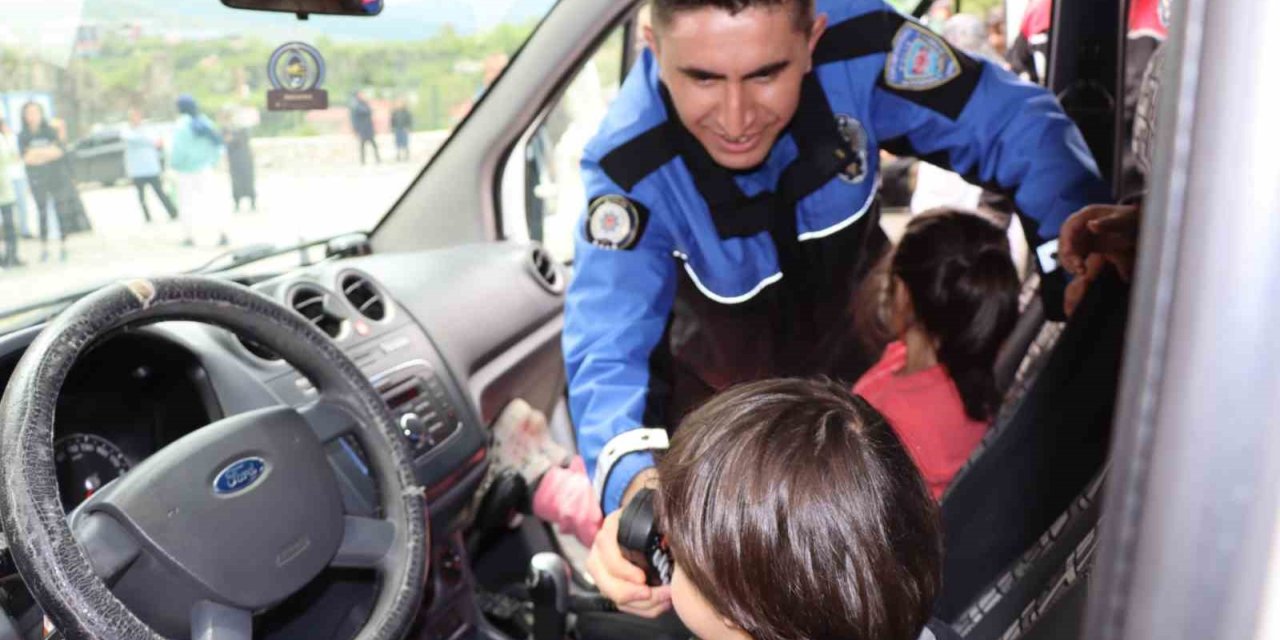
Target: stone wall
{"type": "Point", "coordinates": [337, 150]}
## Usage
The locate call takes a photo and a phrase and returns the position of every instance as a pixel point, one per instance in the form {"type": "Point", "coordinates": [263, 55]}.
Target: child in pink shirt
{"type": "Point", "coordinates": [954, 301]}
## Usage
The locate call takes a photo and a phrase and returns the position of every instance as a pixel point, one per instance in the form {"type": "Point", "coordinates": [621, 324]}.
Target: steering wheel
{"type": "Point", "coordinates": [227, 521]}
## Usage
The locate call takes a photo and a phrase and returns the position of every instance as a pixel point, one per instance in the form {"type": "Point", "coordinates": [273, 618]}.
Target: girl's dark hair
{"type": "Point", "coordinates": [964, 292]}
{"type": "Point", "coordinates": [797, 513]}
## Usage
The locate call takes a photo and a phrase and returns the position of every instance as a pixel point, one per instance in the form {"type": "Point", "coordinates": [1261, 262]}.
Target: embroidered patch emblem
{"type": "Point", "coordinates": [613, 223]}
{"type": "Point", "coordinates": [855, 137]}
{"type": "Point", "coordinates": [920, 60]}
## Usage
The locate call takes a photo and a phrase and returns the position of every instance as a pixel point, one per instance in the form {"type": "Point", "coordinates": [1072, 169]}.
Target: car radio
{"type": "Point", "coordinates": [421, 406]}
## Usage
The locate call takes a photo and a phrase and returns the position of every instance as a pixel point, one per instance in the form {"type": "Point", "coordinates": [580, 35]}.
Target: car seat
{"type": "Point", "coordinates": [1013, 602]}
{"type": "Point", "coordinates": [1016, 381]}
{"type": "Point", "coordinates": [1046, 453]}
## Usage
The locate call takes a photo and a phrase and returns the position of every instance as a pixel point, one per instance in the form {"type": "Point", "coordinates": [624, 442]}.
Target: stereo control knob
{"type": "Point", "coordinates": [414, 429]}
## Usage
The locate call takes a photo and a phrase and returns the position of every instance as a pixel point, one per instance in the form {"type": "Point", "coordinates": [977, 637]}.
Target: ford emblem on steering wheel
{"type": "Point", "coordinates": [239, 476]}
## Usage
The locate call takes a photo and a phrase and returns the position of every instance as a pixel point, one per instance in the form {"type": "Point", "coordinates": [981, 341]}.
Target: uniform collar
{"type": "Point", "coordinates": [822, 154]}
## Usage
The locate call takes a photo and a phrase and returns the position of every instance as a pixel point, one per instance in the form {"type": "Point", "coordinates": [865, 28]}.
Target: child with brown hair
{"type": "Point", "coordinates": [792, 512]}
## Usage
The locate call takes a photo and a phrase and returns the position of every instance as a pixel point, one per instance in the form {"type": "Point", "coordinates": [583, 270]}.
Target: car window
{"type": "Point", "coordinates": [243, 171]}
{"type": "Point", "coordinates": [542, 193]}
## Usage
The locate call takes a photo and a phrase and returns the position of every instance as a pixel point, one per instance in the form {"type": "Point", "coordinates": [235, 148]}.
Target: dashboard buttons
{"type": "Point", "coordinates": [395, 344]}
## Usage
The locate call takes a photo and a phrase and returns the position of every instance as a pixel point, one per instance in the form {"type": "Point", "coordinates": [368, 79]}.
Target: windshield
{"type": "Point", "coordinates": [144, 137]}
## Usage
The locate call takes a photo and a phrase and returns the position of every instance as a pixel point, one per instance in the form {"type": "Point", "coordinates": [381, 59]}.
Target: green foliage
{"type": "Point", "coordinates": [979, 7]}
{"type": "Point", "coordinates": [436, 75]}
{"type": "Point", "coordinates": [976, 7]}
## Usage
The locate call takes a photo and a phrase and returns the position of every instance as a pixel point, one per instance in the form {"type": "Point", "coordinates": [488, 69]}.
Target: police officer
{"type": "Point", "coordinates": [733, 214]}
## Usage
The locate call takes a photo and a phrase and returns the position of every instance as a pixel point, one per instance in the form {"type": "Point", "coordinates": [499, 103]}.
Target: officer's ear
{"type": "Point", "coordinates": [815, 32]}
{"type": "Point", "coordinates": [650, 37]}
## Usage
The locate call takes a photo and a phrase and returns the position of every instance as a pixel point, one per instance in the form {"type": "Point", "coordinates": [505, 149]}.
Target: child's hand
{"type": "Point", "coordinates": [565, 497]}
{"type": "Point", "coordinates": [621, 581]}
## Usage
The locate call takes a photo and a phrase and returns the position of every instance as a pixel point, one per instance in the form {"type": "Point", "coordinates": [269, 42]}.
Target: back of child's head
{"type": "Point", "coordinates": [797, 514]}
{"type": "Point", "coordinates": [963, 291]}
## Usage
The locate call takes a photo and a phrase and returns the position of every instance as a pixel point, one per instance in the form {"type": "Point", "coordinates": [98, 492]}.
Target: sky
{"type": "Point", "coordinates": [50, 32]}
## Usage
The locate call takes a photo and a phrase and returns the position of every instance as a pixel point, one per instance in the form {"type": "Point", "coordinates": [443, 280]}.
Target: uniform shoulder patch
{"type": "Point", "coordinates": [919, 60]}
{"type": "Point", "coordinates": [615, 222]}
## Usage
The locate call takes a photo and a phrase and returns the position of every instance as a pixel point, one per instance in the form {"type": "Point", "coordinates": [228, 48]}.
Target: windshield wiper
{"type": "Point", "coordinates": [339, 246]}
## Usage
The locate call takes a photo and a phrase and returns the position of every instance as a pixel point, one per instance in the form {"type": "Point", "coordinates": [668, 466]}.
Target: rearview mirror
{"type": "Point", "coordinates": [307, 7]}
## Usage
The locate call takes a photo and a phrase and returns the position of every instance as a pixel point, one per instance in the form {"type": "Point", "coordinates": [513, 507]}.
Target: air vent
{"type": "Point", "coordinates": [546, 270]}
{"type": "Point", "coordinates": [364, 297]}
{"type": "Point", "coordinates": [309, 302]}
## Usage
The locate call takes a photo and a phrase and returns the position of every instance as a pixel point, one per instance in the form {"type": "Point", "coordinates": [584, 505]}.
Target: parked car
{"type": "Point", "coordinates": [99, 157]}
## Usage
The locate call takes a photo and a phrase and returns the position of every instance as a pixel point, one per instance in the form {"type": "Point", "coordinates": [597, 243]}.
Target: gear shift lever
{"type": "Point", "coordinates": [549, 590]}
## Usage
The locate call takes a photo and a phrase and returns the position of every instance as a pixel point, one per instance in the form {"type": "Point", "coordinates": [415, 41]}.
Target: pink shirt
{"type": "Point", "coordinates": [925, 410]}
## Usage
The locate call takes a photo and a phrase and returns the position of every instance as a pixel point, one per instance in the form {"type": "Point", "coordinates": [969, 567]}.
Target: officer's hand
{"type": "Point", "coordinates": [621, 581]}
{"type": "Point", "coordinates": [1079, 286]}
{"type": "Point", "coordinates": [1109, 230]}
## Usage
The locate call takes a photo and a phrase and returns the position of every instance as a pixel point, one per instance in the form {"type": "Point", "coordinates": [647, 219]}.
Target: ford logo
{"type": "Point", "coordinates": [239, 476]}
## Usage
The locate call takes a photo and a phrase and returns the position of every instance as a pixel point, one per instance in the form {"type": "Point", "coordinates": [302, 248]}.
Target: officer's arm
{"type": "Point", "coordinates": [615, 316]}
{"type": "Point", "coordinates": [996, 130]}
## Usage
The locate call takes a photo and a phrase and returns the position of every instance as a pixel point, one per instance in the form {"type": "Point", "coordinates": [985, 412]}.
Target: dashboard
{"type": "Point", "coordinates": [446, 336]}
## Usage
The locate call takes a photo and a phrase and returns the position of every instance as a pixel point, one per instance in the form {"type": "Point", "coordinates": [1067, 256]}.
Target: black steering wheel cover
{"type": "Point", "coordinates": [51, 562]}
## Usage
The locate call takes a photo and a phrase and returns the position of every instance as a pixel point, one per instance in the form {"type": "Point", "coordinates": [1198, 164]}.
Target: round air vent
{"type": "Point", "coordinates": [364, 297]}
{"type": "Point", "coordinates": [546, 270]}
{"type": "Point", "coordinates": [309, 302]}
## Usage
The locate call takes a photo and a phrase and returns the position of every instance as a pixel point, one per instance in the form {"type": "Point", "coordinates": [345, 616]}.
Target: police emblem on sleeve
{"type": "Point", "coordinates": [614, 222]}
{"type": "Point", "coordinates": [855, 138]}
{"type": "Point", "coordinates": [920, 60]}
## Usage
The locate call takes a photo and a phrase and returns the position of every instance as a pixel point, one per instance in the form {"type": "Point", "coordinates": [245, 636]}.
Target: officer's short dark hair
{"type": "Point", "coordinates": [665, 10]}
{"type": "Point", "coordinates": [794, 509]}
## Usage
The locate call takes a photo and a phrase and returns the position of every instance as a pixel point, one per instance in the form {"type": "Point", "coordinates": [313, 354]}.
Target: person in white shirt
{"type": "Point", "coordinates": [16, 176]}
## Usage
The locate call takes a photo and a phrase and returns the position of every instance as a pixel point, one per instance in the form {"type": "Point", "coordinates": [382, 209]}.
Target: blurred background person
{"type": "Point", "coordinates": [142, 164]}
{"type": "Point", "coordinates": [997, 36]}
{"type": "Point", "coordinates": [1029, 54]}
{"type": "Point", "coordinates": [237, 136]}
{"type": "Point", "coordinates": [8, 196]}
{"type": "Point", "coordinates": [401, 125]}
{"type": "Point", "coordinates": [16, 176]}
{"type": "Point", "coordinates": [362, 124]}
{"type": "Point", "coordinates": [43, 149]}
{"type": "Point", "coordinates": [939, 12]}
{"type": "Point", "coordinates": [195, 151]}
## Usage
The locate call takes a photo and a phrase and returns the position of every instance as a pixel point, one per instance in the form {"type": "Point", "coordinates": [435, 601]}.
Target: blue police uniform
{"type": "Point", "coordinates": [690, 277]}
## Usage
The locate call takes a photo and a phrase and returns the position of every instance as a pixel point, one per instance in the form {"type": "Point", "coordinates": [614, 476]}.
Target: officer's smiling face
{"type": "Point", "coordinates": [735, 78]}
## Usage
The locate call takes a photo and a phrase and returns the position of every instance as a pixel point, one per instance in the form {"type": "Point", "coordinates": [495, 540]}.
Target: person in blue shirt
{"type": "Point", "coordinates": [142, 165]}
{"type": "Point", "coordinates": [195, 151]}
{"type": "Point", "coordinates": [732, 216]}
